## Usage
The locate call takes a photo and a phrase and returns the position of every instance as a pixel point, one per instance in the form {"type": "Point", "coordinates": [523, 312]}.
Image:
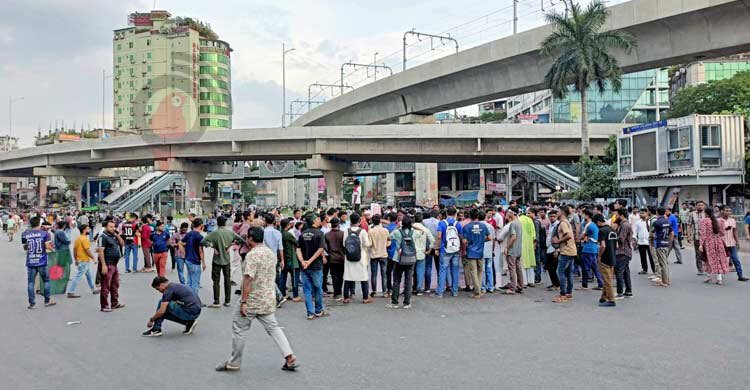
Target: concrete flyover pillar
{"type": "Point", "coordinates": [426, 175]}
{"type": "Point", "coordinates": [42, 194]}
{"type": "Point", "coordinates": [75, 186]}
{"type": "Point", "coordinates": [195, 173]}
{"type": "Point", "coordinates": [482, 186]}
{"type": "Point", "coordinates": [390, 189]}
{"type": "Point", "coordinates": [333, 172]}
{"type": "Point", "coordinates": [13, 192]}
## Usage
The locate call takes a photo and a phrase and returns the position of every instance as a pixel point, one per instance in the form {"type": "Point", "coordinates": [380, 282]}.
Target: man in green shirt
{"type": "Point", "coordinates": [221, 241]}
{"type": "Point", "coordinates": [291, 264]}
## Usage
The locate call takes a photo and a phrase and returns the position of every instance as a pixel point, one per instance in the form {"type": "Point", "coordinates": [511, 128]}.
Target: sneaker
{"type": "Point", "coordinates": [227, 304]}
{"type": "Point", "coordinates": [214, 305]}
{"type": "Point", "coordinates": [73, 295]}
{"type": "Point", "coordinates": [32, 306]}
{"type": "Point", "coordinates": [106, 310]}
{"type": "Point", "coordinates": [190, 327]}
{"type": "Point", "coordinates": [420, 293]}
{"type": "Point", "coordinates": [152, 333]}
{"type": "Point", "coordinates": [642, 273]}
{"type": "Point", "coordinates": [602, 300]}
{"type": "Point", "coordinates": [454, 294]}
{"type": "Point", "coordinates": [436, 295]}
{"type": "Point", "coordinates": [407, 307]}
{"type": "Point", "coordinates": [607, 304]}
{"type": "Point", "coordinates": [95, 291]}
{"type": "Point", "coordinates": [619, 296]}
{"type": "Point", "coordinates": [322, 314]}
{"type": "Point", "coordinates": [742, 279]}
{"type": "Point", "coordinates": [391, 306]}
{"type": "Point", "coordinates": [281, 303]}
{"type": "Point", "coordinates": [226, 367]}
{"type": "Point", "coordinates": [50, 303]}
{"type": "Point", "coordinates": [628, 295]}
{"type": "Point", "coordinates": [677, 262]}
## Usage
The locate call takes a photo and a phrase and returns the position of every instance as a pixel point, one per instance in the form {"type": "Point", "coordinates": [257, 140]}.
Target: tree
{"type": "Point", "coordinates": [582, 56]}
{"type": "Point", "coordinates": [493, 116]}
{"type": "Point", "coordinates": [729, 96]}
{"type": "Point", "coordinates": [598, 175]}
{"type": "Point", "coordinates": [249, 191]}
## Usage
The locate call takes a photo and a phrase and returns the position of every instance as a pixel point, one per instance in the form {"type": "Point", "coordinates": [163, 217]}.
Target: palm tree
{"type": "Point", "coordinates": [582, 55]}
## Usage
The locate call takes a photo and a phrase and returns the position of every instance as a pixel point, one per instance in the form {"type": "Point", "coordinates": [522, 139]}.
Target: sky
{"type": "Point", "coordinates": [55, 50]}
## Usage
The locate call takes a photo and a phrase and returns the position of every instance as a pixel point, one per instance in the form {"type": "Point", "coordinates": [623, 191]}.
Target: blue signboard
{"type": "Point", "coordinates": [645, 126]}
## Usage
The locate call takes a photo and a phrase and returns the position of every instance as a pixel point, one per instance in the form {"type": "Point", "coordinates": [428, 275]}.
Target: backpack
{"type": "Point", "coordinates": [452, 242]}
{"type": "Point", "coordinates": [408, 249]}
{"type": "Point", "coordinates": [353, 247]}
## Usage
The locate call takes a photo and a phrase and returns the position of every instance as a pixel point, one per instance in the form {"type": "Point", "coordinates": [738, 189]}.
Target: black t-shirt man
{"type": "Point", "coordinates": [111, 248]}
{"type": "Point", "coordinates": [184, 296]}
{"type": "Point", "coordinates": [609, 237]}
{"type": "Point", "coordinates": [310, 241]}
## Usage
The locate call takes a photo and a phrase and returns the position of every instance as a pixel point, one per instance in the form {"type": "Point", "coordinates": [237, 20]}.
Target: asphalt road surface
{"type": "Point", "coordinates": [689, 336]}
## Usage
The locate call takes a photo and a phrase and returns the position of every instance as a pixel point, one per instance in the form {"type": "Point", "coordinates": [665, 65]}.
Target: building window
{"type": "Point", "coordinates": [119, 125]}
{"type": "Point", "coordinates": [148, 68]}
{"type": "Point", "coordinates": [215, 110]}
{"type": "Point", "coordinates": [130, 45]}
{"type": "Point", "coordinates": [710, 146]}
{"type": "Point", "coordinates": [626, 158]}
{"type": "Point", "coordinates": [148, 108]}
{"type": "Point", "coordinates": [214, 70]}
{"type": "Point", "coordinates": [679, 154]}
{"type": "Point", "coordinates": [119, 47]}
{"type": "Point", "coordinates": [119, 59]}
{"type": "Point", "coordinates": [148, 43]}
{"type": "Point", "coordinates": [119, 85]}
{"type": "Point", "coordinates": [148, 55]}
{"type": "Point", "coordinates": [210, 122]}
{"type": "Point", "coordinates": [214, 96]}
{"type": "Point", "coordinates": [119, 111]}
{"type": "Point", "coordinates": [149, 93]}
{"type": "Point", "coordinates": [210, 83]}
{"type": "Point", "coordinates": [119, 98]}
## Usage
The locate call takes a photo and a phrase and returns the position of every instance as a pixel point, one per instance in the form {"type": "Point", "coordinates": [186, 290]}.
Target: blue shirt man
{"type": "Point", "coordinates": [36, 242]}
{"type": "Point", "coordinates": [192, 242]}
{"type": "Point", "coordinates": [443, 228]}
{"type": "Point", "coordinates": [675, 224]}
{"type": "Point", "coordinates": [160, 241]}
{"type": "Point", "coordinates": [661, 229]}
{"type": "Point", "coordinates": [475, 233]}
{"type": "Point", "coordinates": [592, 234]}
{"type": "Point", "coordinates": [392, 217]}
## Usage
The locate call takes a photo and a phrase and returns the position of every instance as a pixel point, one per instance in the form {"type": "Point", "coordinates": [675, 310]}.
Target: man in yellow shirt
{"type": "Point", "coordinates": [83, 258]}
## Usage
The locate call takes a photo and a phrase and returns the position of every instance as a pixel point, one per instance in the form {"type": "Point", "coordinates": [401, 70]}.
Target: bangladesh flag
{"type": "Point", "coordinates": [58, 266]}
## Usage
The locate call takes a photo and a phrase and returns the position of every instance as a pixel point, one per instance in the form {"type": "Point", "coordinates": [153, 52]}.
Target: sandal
{"type": "Point", "coordinates": [290, 367]}
{"type": "Point", "coordinates": [559, 299]}
{"type": "Point", "coordinates": [323, 314]}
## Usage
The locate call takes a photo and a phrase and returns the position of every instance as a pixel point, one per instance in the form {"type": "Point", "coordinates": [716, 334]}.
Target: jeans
{"type": "Point", "coordinates": [398, 271]}
{"type": "Point", "coordinates": [622, 270]}
{"type": "Point", "coordinates": [538, 267]}
{"type": "Point", "coordinates": [428, 263]}
{"type": "Point", "coordinates": [448, 260]}
{"type": "Point", "coordinates": [241, 326]}
{"type": "Point", "coordinates": [374, 264]}
{"type": "Point", "coordinates": [31, 273]}
{"type": "Point", "coordinates": [194, 276]}
{"type": "Point", "coordinates": [295, 281]}
{"type": "Point", "coordinates": [175, 313]}
{"type": "Point", "coordinates": [489, 276]}
{"type": "Point", "coordinates": [589, 264]}
{"type": "Point", "coordinates": [216, 272]}
{"type": "Point", "coordinates": [565, 274]}
{"type": "Point", "coordinates": [419, 274]}
{"type": "Point", "coordinates": [84, 267]}
{"type": "Point", "coordinates": [734, 257]}
{"type": "Point", "coordinates": [312, 287]}
{"type": "Point", "coordinates": [131, 250]}
{"type": "Point", "coordinates": [349, 289]}
{"type": "Point", "coordinates": [180, 265]}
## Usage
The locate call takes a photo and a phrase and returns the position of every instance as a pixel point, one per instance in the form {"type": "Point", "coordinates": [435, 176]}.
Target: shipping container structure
{"type": "Point", "coordinates": [697, 157]}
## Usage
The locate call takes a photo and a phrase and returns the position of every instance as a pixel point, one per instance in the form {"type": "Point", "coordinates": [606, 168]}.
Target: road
{"type": "Point", "coordinates": [689, 336]}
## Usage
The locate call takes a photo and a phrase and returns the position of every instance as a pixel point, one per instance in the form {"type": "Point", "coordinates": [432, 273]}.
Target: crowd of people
{"type": "Point", "coordinates": [394, 254]}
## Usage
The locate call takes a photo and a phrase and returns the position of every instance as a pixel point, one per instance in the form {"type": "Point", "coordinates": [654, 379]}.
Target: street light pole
{"type": "Point", "coordinates": [11, 99]}
{"type": "Point", "coordinates": [283, 82]}
{"type": "Point", "coordinates": [375, 62]}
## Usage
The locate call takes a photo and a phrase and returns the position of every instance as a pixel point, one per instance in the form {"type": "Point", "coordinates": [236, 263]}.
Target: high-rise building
{"type": "Point", "coordinates": [8, 143]}
{"type": "Point", "coordinates": [170, 73]}
{"type": "Point", "coordinates": [635, 103]}
{"type": "Point", "coordinates": [703, 71]}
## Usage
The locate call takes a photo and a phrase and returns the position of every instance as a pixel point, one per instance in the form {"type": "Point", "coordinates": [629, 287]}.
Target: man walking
{"type": "Point", "coordinates": [663, 236]}
{"type": "Point", "coordinates": [178, 303]}
{"type": "Point", "coordinates": [83, 257]}
{"type": "Point", "coordinates": [674, 245]}
{"type": "Point", "coordinates": [258, 301]}
{"type": "Point", "coordinates": [731, 241]}
{"type": "Point", "coordinates": [221, 240]}
{"type": "Point", "coordinates": [37, 242]}
{"type": "Point", "coordinates": [109, 246]}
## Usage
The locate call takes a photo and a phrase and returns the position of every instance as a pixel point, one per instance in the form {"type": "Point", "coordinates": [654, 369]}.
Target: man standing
{"type": "Point", "coordinates": [607, 240]}
{"type": "Point", "coordinates": [272, 239]}
{"type": "Point", "coordinates": [258, 301]}
{"type": "Point", "coordinates": [380, 239]}
{"type": "Point", "coordinates": [146, 231]}
{"type": "Point", "coordinates": [160, 248]}
{"type": "Point", "coordinates": [663, 236]}
{"type": "Point", "coordinates": [731, 241]}
{"type": "Point", "coordinates": [590, 249]}
{"type": "Point", "coordinates": [83, 258]}
{"type": "Point", "coordinates": [623, 254]}
{"type": "Point", "coordinates": [171, 229]}
{"type": "Point", "coordinates": [392, 225]}
{"type": "Point", "coordinates": [475, 235]}
{"type": "Point", "coordinates": [335, 249]}
{"type": "Point", "coordinates": [37, 242]}
{"type": "Point", "coordinates": [109, 248]}
{"type": "Point", "coordinates": [449, 241]}
{"type": "Point", "coordinates": [565, 239]}
{"type": "Point", "coordinates": [431, 256]}
{"type": "Point", "coordinates": [404, 259]}
{"type": "Point", "coordinates": [129, 231]}
{"type": "Point", "coordinates": [310, 255]}
{"type": "Point", "coordinates": [550, 261]}
{"type": "Point", "coordinates": [221, 240]}
{"type": "Point", "coordinates": [357, 196]}
{"type": "Point", "coordinates": [674, 244]}
{"type": "Point", "coordinates": [194, 257]}
{"type": "Point", "coordinates": [528, 244]}
{"type": "Point", "coordinates": [178, 303]}
{"type": "Point", "coordinates": [513, 251]}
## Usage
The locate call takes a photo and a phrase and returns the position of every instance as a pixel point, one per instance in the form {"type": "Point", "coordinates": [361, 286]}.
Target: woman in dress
{"type": "Point", "coordinates": [712, 246]}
